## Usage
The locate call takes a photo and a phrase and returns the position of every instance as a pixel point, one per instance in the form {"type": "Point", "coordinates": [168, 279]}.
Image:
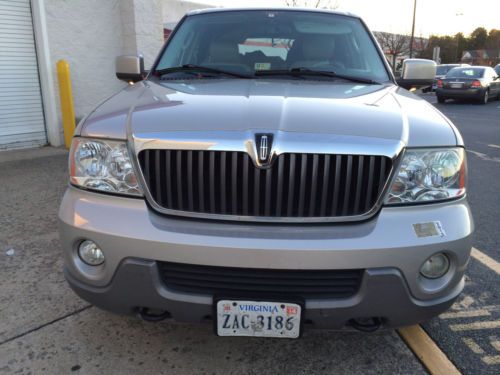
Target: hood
{"type": "Point", "coordinates": [386, 112]}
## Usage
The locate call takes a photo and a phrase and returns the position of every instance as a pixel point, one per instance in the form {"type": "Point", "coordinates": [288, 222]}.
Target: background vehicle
{"type": "Point", "coordinates": [497, 69]}
{"type": "Point", "coordinates": [441, 71]}
{"type": "Point", "coordinates": [476, 82]}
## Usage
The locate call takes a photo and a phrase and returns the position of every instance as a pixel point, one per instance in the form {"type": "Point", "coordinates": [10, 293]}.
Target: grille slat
{"type": "Point", "coordinates": [234, 184]}
{"type": "Point", "coordinates": [222, 182]}
{"type": "Point", "coordinates": [246, 163]}
{"type": "Point", "coordinates": [314, 184]}
{"type": "Point", "coordinates": [212, 280]}
{"type": "Point", "coordinates": [268, 195]}
{"type": "Point", "coordinates": [293, 186]}
{"type": "Point", "coordinates": [201, 182]}
{"type": "Point", "coordinates": [178, 169]}
{"type": "Point", "coordinates": [256, 191]}
{"type": "Point", "coordinates": [369, 185]}
{"type": "Point", "coordinates": [302, 186]}
{"type": "Point", "coordinates": [158, 173]}
{"type": "Point", "coordinates": [212, 181]}
{"type": "Point", "coordinates": [324, 191]}
{"type": "Point", "coordinates": [359, 180]}
{"type": "Point", "coordinates": [347, 185]}
{"type": "Point", "coordinates": [381, 179]}
{"type": "Point", "coordinates": [190, 180]}
{"type": "Point", "coordinates": [168, 176]}
{"type": "Point", "coordinates": [279, 193]}
{"type": "Point", "coordinates": [336, 185]}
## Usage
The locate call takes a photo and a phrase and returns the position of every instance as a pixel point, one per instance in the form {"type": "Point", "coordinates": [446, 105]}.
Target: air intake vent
{"type": "Point", "coordinates": [212, 280]}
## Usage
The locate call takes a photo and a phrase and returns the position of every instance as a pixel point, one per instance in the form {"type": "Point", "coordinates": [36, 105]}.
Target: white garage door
{"type": "Point", "coordinates": [21, 114]}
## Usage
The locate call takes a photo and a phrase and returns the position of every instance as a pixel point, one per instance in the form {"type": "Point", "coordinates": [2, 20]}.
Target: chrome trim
{"type": "Point", "coordinates": [283, 142]}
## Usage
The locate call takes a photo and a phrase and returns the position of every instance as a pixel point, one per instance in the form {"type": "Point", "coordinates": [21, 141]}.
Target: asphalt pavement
{"type": "Point", "coordinates": [46, 328]}
{"type": "Point", "coordinates": [470, 333]}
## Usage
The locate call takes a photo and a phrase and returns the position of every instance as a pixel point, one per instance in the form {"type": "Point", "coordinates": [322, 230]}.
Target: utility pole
{"type": "Point", "coordinates": [413, 28]}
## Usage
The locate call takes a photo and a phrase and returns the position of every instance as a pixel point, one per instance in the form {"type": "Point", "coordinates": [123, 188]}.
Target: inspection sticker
{"type": "Point", "coordinates": [430, 229]}
{"type": "Point", "coordinates": [262, 66]}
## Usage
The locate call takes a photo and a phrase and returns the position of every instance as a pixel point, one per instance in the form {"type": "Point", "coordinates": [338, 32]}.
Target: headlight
{"type": "Point", "coordinates": [102, 165]}
{"type": "Point", "coordinates": [429, 175]}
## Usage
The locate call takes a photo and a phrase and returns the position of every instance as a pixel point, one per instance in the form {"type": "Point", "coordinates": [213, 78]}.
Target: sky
{"type": "Point", "coordinates": [438, 17]}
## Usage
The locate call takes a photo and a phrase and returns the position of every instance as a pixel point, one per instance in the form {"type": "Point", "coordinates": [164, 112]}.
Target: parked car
{"type": "Point", "coordinates": [476, 82]}
{"type": "Point", "coordinates": [442, 70]}
{"type": "Point", "coordinates": [268, 175]}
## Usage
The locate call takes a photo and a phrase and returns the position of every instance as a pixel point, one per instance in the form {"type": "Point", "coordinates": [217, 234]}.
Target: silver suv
{"type": "Point", "coordinates": [268, 175]}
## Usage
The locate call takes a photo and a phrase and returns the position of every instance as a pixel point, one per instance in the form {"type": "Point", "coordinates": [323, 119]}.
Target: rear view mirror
{"type": "Point", "coordinates": [417, 73]}
{"type": "Point", "coordinates": [130, 68]}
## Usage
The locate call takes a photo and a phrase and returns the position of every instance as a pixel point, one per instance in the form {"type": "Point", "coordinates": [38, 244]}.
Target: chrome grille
{"type": "Point", "coordinates": [293, 186]}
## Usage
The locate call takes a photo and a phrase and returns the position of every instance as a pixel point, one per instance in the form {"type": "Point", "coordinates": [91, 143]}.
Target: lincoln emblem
{"type": "Point", "coordinates": [264, 144]}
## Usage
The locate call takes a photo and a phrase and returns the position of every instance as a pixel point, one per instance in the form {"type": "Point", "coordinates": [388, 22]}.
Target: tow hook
{"type": "Point", "coordinates": [153, 315]}
{"type": "Point", "coordinates": [366, 324]}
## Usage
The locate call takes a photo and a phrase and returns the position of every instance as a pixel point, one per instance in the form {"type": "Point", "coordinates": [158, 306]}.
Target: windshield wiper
{"type": "Point", "coordinates": [198, 69]}
{"type": "Point", "coordinates": [297, 72]}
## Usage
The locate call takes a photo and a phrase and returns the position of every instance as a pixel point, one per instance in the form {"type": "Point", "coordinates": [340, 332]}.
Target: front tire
{"type": "Point", "coordinates": [441, 99]}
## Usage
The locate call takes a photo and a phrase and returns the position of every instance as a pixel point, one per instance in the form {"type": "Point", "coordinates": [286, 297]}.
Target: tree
{"type": "Point", "coordinates": [493, 40]}
{"type": "Point", "coordinates": [393, 45]}
{"type": "Point", "coordinates": [477, 39]}
{"type": "Point", "coordinates": [451, 48]}
{"type": "Point", "coordinates": [461, 42]}
{"type": "Point", "coordinates": [328, 4]}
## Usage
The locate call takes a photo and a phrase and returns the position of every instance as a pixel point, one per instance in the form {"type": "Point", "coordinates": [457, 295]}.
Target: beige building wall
{"type": "Point", "coordinates": [89, 34]}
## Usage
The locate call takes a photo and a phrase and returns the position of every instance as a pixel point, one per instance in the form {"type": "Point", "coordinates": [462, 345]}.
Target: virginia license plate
{"type": "Point", "coordinates": [257, 318]}
{"type": "Point", "coordinates": [456, 85]}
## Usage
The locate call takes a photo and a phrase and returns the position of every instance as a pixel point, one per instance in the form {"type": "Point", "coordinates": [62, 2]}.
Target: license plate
{"type": "Point", "coordinates": [258, 318]}
{"type": "Point", "coordinates": [456, 85]}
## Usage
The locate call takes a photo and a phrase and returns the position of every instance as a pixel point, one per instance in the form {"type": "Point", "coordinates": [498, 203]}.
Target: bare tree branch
{"type": "Point", "coordinates": [327, 4]}
{"type": "Point", "coordinates": [393, 45]}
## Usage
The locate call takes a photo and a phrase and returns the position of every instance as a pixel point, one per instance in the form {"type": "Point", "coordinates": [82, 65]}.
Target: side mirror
{"type": "Point", "coordinates": [417, 73]}
{"type": "Point", "coordinates": [130, 68]}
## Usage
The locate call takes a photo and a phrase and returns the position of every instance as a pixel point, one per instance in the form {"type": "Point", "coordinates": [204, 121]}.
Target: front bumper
{"type": "Point", "coordinates": [133, 238]}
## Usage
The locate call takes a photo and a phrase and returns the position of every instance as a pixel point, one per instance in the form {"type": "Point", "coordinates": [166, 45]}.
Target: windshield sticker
{"type": "Point", "coordinates": [262, 66]}
{"type": "Point", "coordinates": [431, 229]}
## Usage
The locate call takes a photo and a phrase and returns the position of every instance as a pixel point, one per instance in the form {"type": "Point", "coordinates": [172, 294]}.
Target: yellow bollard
{"type": "Point", "coordinates": [66, 97]}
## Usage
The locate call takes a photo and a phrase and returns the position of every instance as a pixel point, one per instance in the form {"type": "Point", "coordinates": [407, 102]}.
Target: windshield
{"type": "Point", "coordinates": [246, 42]}
{"type": "Point", "coordinates": [465, 73]}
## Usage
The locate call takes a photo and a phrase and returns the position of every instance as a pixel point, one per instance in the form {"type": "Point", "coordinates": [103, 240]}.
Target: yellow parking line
{"type": "Point", "coordinates": [491, 359]}
{"type": "Point", "coordinates": [465, 314]}
{"type": "Point", "coordinates": [473, 345]}
{"type": "Point", "coordinates": [486, 260]}
{"type": "Point", "coordinates": [427, 351]}
{"type": "Point", "coordinates": [496, 345]}
{"type": "Point", "coordinates": [475, 326]}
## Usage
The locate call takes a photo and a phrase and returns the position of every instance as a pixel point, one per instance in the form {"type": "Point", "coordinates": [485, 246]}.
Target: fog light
{"type": "Point", "coordinates": [436, 266]}
{"type": "Point", "coordinates": [90, 253]}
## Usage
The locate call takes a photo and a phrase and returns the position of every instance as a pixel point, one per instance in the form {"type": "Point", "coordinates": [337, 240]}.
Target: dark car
{"type": "Point", "coordinates": [497, 69]}
{"type": "Point", "coordinates": [476, 82]}
{"type": "Point", "coordinates": [442, 70]}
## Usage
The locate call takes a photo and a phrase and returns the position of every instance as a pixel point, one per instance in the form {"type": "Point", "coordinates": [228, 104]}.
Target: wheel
{"type": "Point", "coordinates": [485, 97]}
{"type": "Point", "coordinates": [441, 99]}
